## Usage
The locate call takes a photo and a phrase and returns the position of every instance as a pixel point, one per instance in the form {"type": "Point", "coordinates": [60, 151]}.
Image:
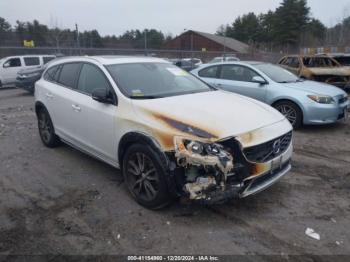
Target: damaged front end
{"type": "Point", "coordinates": [216, 172]}
{"type": "Point", "coordinates": [206, 167]}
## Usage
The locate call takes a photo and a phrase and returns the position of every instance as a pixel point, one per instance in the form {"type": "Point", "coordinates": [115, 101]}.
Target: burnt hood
{"type": "Point", "coordinates": [212, 115]}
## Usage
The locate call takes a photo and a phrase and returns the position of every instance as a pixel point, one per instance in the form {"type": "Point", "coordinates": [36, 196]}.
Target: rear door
{"type": "Point", "coordinates": [59, 94]}
{"type": "Point", "coordinates": [239, 79]}
{"type": "Point", "coordinates": [31, 61]}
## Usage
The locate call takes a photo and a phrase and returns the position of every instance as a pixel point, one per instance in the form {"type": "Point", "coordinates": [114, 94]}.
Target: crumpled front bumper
{"type": "Point", "coordinates": [265, 181]}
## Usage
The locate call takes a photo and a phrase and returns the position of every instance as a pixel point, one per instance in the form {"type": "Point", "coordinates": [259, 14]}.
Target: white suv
{"type": "Point", "coordinates": [170, 133]}
{"type": "Point", "coordinates": [12, 65]}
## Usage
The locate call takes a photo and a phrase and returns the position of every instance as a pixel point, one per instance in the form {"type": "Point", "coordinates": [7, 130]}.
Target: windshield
{"type": "Point", "coordinates": [277, 73]}
{"type": "Point", "coordinates": [154, 80]}
{"type": "Point", "coordinates": [319, 62]}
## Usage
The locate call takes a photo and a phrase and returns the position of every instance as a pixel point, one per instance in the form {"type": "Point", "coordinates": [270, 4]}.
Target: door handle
{"type": "Point", "coordinates": [76, 108]}
{"type": "Point", "coordinates": [49, 95]}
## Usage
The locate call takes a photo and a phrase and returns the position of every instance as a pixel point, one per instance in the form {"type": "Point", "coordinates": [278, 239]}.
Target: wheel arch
{"type": "Point", "coordinates": [131, 138]}
{"type": "Point", "coordinates": [292, 101]}
{"type": "Point", "coordinates": [39, 105]}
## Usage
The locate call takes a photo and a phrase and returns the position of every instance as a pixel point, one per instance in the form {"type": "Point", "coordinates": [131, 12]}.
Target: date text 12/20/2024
{"type": "Point", "coordinates": [173, 258]}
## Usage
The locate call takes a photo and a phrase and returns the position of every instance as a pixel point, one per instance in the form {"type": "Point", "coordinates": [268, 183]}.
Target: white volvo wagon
{"type": "Point", "coordinates": [170, 133]}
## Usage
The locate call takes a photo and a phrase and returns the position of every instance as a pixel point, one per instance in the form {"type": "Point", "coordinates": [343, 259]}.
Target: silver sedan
{"type": "Point", "coordinates": [299, 100]}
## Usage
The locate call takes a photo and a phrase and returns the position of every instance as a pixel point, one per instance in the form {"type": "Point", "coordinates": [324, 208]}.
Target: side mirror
{"type": "Point", "coordinates": [259, 80]}
{"type": "Point", "coordinates": [102, 95]}
{"type": "Point", "coordinates": [6, 65]}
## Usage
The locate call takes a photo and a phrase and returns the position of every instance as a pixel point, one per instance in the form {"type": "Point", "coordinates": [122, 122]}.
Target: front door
{"type": "Point", "coordinates": [239, 79]}
{"type": "Point", "coordinates": [94, 122]}
{"type": "Point", "coordinates": [10, 69]}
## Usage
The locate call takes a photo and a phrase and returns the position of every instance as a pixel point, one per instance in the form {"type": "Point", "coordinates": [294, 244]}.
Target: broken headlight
{"type": "Point", "coordinates": [200, 148]}
{"type": "Point", "coordinates": [321, 99]}
{"type": "Point", "coordinates": [199, 153]}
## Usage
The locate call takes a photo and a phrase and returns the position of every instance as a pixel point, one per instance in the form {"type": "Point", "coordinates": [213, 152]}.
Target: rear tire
{"type": "Point", "coordinates": [46, 129]}
{"type": "Point", "coordinates": [291, 111]}
{"type": "Point", "coordinates": [144, 176]}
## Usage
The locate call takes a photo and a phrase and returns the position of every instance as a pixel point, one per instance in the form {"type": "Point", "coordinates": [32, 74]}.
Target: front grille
{"type": "Point", "coordinates": [269, 150]}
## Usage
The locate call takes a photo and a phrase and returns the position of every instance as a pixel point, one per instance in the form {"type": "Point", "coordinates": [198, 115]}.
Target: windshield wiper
{"type": "Point", "coordinates": [300, 80]}
{"type": "Point", "coordinates": [284, 82]}
{"type": "Point", "coordinates": [144, 97]}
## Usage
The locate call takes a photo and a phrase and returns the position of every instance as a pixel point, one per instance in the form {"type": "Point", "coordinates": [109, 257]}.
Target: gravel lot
{"type": "Point", "coordinates": [61, 201]}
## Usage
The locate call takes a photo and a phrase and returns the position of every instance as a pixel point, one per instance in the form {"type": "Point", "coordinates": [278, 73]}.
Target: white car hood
{"type": "Point", "coordinates": [318, 88]}
{"type": "Point", "coordinates": [215, 115]}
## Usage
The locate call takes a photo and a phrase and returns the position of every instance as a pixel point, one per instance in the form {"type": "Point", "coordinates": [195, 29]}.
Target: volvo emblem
{"type": "Point", "coordinates": [276, 147]}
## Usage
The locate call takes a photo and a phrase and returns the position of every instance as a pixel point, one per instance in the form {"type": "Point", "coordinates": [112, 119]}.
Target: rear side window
{"type": "Point", "coordinates": [209, 72]}
{"type": "Point", "coordinates": [31, 61]}
{"type": "Point", "coordinates": [52, 74]}
{"type": "Point", "coordinates": [13, 62]}
{"type": "Point", "coordinates": [47, 59]}
{"type": "Point", "coordinates": [69, 74]}
{"type": "Point", "coordinates": [92, 78]}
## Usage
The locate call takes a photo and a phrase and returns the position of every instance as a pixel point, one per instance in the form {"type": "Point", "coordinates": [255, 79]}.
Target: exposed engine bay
{"type": "Point", "coordinates": [207, 167]}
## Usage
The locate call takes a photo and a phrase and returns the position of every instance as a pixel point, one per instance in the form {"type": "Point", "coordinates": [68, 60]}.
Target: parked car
{"type": "Point", "coordinates": [195, 61]}
{"type": "Point", "coordinates": [10, 66]}
{"type": "Point", "coordinates": [318, 68]}
{"type": "Point", "coordinates": [300, 101]}
{"type": "Point", "coordinates": [342, 58]}
{"type": "Point", "coordinates": [170, 133]}
{"type": "Point", "coordinates": [184, 64]}
{"type": "Point", "coordinates": [224, 59]}
{"type": "Point", "coordinates": [26, 78]}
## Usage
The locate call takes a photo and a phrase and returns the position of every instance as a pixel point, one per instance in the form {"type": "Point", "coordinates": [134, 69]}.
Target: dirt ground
{"type": "Point", "coordinates": [60, 201]}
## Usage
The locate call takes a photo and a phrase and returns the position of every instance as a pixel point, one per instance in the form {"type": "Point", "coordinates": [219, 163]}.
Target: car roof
{"type": "Point", "coordinates": [308, 56]}
{"type": "Point", "coordinates": [243, 63]}
{"type": "Point", "coordinates": [110, 60]}
{"type": "Point", "coordinates": [27, 56]}
{"type": "Point", "coordinates": [338, 54]}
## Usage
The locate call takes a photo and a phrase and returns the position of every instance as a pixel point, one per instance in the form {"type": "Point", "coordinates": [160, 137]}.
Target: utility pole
{"type": "Point", "coordinates": [191, 48]}
{"type": "Point", "coordinates": [145, 42]}
{"type": "Point", "coordinates": [78, 43]}
{"type": "Point", "coordinates": [225, 43]}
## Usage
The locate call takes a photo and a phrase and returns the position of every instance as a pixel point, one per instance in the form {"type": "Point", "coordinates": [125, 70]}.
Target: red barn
{"type": "Point", "coordinates": [199, 41]}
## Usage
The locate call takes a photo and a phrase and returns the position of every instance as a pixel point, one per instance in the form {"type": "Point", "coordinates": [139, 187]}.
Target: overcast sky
{"type": "Point", "coordinates": [170, 16]}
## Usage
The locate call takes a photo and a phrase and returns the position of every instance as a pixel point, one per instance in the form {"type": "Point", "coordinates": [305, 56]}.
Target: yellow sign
{"type": "Point", "coordinates": [28, 43]}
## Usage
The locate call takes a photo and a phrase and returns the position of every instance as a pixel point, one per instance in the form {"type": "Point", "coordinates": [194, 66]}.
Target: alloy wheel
{"type": "Point", "coordinates": [289, 113]}
{"type": "Point", "coordinates": [45, 127]}
{"type": "Point", "coordinates": [142, 176]}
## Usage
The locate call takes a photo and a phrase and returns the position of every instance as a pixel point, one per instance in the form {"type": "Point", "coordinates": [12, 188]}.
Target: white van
{"type": "Point", "coordinates": [10, 66]}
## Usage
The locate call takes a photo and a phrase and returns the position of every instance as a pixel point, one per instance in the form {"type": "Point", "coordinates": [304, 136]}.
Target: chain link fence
{"type": "Point", "coordinates": [170, 54]}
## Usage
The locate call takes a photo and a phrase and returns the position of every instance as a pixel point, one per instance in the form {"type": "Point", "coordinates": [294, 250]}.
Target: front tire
{"type": "Point", "coordinates": [291, 111]}
{"type": "Point", "coordinates": [46, 129]}
{"type": "Point", "coordinates": [144, 176]}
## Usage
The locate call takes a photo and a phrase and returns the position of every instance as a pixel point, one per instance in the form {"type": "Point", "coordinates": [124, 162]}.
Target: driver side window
{"type": "Point", "coordinates": [13, 62]}
{"type": "Point", "coordinates": [92, 78]}
{"type": "Point", "coordinates": [237, 73]}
